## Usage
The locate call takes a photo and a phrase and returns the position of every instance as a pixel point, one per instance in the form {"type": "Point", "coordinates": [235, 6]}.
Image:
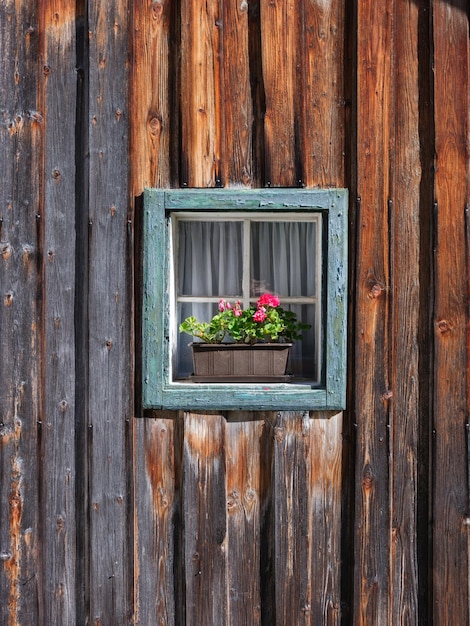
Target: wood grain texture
{"type": "Point", "coordinates": [406, 241]}
{"type": "Point", "coordinates": [279, 23]}
{"type": "Point", "coordinates": [307, 506]}
{"type": "Point", "coordinates": [371, 359]}
{"type": "Point", "coordinates": [21, 235]}
{"type": "Point", "coordinates": [110, 361]}
{"type": "Point", "coordinates": [451, 102]}
{"type": "Point", "coordinates": [156, 485]}
{"type": "Point", "coordinates": [204, 505]}
{"type": "Point", "coordinates": [243, 470]}
{"type": "Point", "coordinates": [200, 93]}
{"type": "Point", "coordinates": [58, 510]}
{"type": "Point", "coordinates": [237, 114]}
{"type": "Point", "coordinates": [320, 97]}
{"type": "Point", "coordinates": [151, 83]}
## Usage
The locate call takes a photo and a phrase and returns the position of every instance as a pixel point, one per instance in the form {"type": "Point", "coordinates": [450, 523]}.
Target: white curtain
{"type": "Point", "coordinates": [283, 258]}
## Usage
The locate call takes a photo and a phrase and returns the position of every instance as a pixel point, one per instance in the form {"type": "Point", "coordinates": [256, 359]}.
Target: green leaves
{"type": "Point", "coordinates": [264, 322]}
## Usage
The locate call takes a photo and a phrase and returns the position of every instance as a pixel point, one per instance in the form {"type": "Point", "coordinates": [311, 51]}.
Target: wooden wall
{"type": "Point", "coordinates": [109, 517]}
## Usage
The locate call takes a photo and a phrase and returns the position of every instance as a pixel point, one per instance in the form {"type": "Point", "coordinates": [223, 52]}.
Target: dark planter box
{"type": "Point", "coordinates": [260, 362]}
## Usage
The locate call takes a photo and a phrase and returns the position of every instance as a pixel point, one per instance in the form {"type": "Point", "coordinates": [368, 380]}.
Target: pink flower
{"type": "Point", "coordinates": [268, 299]}
{"type": "Point", "coordinates": [260, 314]}
{"type": "Point", "coordinates": [221, 305]}
{"type": "Point", "coordinates": [237, 309]}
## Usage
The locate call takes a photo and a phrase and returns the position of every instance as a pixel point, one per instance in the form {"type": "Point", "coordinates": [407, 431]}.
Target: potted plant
{"type": "Point", "coordinates": [239, 345]}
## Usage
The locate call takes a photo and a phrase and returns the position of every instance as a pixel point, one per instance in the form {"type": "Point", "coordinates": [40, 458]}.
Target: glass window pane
{"type": "Point", "coordinates": [203, 312]}
{"type": "Point", "coordinates": [283, 258]}
{"type": "Point", "coordinates": [209, 258]}
{"type": "Point", "coordinates": [303, 354]}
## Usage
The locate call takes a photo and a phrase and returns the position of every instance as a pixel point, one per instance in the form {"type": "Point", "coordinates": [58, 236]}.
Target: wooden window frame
{"type": "Point", "coordinates": [159, 392]}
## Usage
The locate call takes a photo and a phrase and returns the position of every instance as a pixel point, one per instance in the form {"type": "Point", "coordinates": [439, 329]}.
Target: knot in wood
{"type": "Point", "coordinates": [444, 326]}
{"type": "Point", "coordinates": [376, 291]}
{"type": "Point", "coordinates": [367, 478]}
{"type": "Point", "coordinates": [6, 250]}
{"type": "Point", "coordinates": [278, 433]}
{"type": "Point", "coordinates": [155, 124]}
{"type": "Point", "coordinates": [157, 9]}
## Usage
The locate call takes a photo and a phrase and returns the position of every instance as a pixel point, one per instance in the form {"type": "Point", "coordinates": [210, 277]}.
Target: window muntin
{"type": "Point", "coordinates": [159, 390]}
{"type": "Point", "coordinates": [239, 256]}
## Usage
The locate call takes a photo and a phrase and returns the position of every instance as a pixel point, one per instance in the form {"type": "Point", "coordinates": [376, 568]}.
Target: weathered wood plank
{"type": "Point", "coordinates": [204, 505]}
{"type": "Point", "coordinates": [58, 511]}
{"type": "Point", "coordinates": [292, 567]}
{"type": "Point", "coordinates": [21, 136]}
{"type": "Point", "coordinates": [243, 476]}
{"type": "Point", "coordinates": [236, 104]}
{"type": "Point", "coordinates": [371, 376]}
{"type": "Point", "coordinates": [451, 105]}
{"type": "Point", "coordinates": [306, 522]}
{"type": "Point", "coordinates": [280, 42]}
{"type": "Point", "coordinates": [406, 317]}
{"type": "Point", "coordinates": [110, 361]}
{"type": "Point", "coordinates": [200, 93]}
{"type": "Point", "coordinates": [325, 449]}
{"type": "Point", "coordinates": [150, 95]}
{"type": "Point", "coordinates": [155, 566]}
{"type": "Point", "coordinates": [320, 94]}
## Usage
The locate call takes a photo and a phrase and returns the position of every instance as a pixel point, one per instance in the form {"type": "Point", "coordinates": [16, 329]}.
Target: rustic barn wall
{"type": "Point", "coordinates": [112, 517]}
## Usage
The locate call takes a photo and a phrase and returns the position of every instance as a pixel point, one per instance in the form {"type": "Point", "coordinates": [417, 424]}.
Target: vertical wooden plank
{"type": "Point", "coordinates": [321, 93]}
{"type": "Point", "coordinates": [150, 95]}
{"type": "Point", "coordinates": [243, 471]}
{"type": "Point", "coordinates": [292, 557]}
{"type": "Point", "coordinates": [406, 252]}
{"type": "Point", "coordinates": [371, 376]}
{"type": "Point", "coordinates": [58, 512]}
{"type": "Point", "coordinates": [307, 477]}
{"type": "Point", "coordinates": [21, 137]}
{"type": "Point", "coordinates": [325, 445]}
{"type": "Point", "coordinates": [237, 101]}
{"type": "Point", "coordinates": [205, 520]}
{"type": "Point", "coordinates": [110, 360]}
{"type": "Point", "coordinates": [155, 522]}
{"type": "Point", "coordinates": [451, 105]}
{"type": "Point", "coordinates": [200, 93]}
{"type": "Point", "coordinates": [279, 22]}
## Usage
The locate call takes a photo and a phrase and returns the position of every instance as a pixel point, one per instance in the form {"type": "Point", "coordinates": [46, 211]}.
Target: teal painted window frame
{"type": "Point", "coordinates": [158, 391]}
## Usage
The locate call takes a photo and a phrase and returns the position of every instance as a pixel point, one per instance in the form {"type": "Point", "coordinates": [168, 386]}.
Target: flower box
{"type": "Point", "coordinates": [234, 362]}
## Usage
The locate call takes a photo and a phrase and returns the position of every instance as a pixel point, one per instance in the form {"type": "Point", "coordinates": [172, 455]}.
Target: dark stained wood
{"type": "Point", "coordinates": [371, 382]}
{"type": "Point", "coordinates": [204, 507]}
{"type": "Point", "coordinates": [451, 103]}
{"type": "Point", "coordinates": [110, 361]}
{"type": "Point", "coordinates": [406, 172]}
{"type": "Point", "coordinates": [21, 232]}
{"type": "Point", "coordinates": [58, 510]}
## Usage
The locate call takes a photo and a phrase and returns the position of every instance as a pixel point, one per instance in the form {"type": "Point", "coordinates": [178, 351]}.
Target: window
{"type": "Point", "coordinates": [204, 245]}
